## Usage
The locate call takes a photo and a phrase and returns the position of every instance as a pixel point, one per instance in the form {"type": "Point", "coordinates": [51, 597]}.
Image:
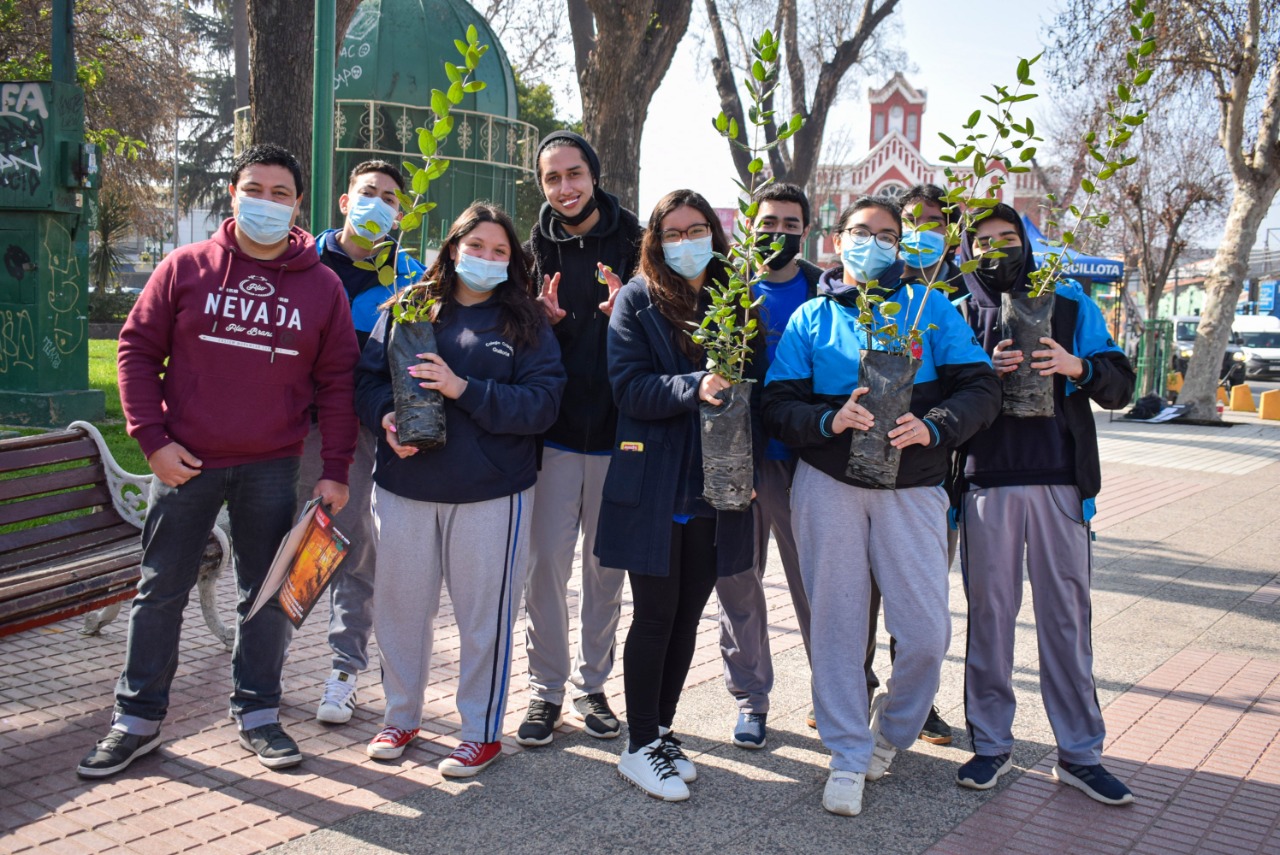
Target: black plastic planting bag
{"type": "Point", "coordinates": [889, 379]}
{"type": "Point", "coordinates": [726, 449]}
{"type": "Point", "coordinates": [1026, 320]}
{"type": "Point", "coordinates": [419, 412]}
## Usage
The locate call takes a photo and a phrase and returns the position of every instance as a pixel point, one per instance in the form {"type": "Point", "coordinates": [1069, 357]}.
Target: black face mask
{"type": "Point", "coordinates": [1002, 274]}
{"type": "Point", "coordinates": [790, 248]}
{"type": "Point", "coordinates": [581, 217]}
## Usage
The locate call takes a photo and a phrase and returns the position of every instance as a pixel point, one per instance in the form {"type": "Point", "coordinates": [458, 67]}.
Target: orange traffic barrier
{"type": "Point", "coordinates": [1269, 405]}
{"type": "Point", "coordinates": [1242, 399]}
{"type": "Point", "coordinates": [1222, 395]}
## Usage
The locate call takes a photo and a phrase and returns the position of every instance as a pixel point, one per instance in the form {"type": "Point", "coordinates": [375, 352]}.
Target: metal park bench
{"type": "Point", "coordinates": [80, 550]}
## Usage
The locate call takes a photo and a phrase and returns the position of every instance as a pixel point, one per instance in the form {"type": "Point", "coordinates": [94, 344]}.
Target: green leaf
{"type": "Point", "coordinates": [757, 70]}
{"type": "Point", "coordinates": [755, 166]}
{"type": "Point", "coordinates": [410, 222]}
{"type": "Point", "coordinates": [1024, 70]}
{"type": "Point", "coordinates": [436, 169]}
{"type": "Point", "coordinates": [721, 122]}
{"type": "Point", "coordinates": [733, 129]}
{"type": "Point", "coordinates": [1027, 153]}
{"type": "Point", "coordinates": [452, 72]}
{"type": "Point", "coordinates": [473, 35]}
{"type": "Point", "coordinates": [442, 127]}
{"type": "Point", "coordinates": [890, 309]}
{"type": "Point", "coordinates": [461, 46]}
{"type": "Point", "coordinates": [1147, 20]}
{"type": "Point", "coordinates": [1148, 47]}
{"type": "Point", "coordinates": [421, 182]}
{"type": "Point", "coordinates": [474, 86]}
{"type": "Point", "coordinates": [1142, 77]}
{"type": "Point", "coordinates": [974, 118]}
{"type": "Point", "coordinates": [426, 144]}
{"type": "Point", "coordinates": [1087, 186]}
{"type": "Point", "coordinates": [386, 276]}
{"type": "Point", "coordinates": [363, 242]}
{"type": "Point", "coordinates": [946, 139]}
{"type": "Point", "coordinates": [455, 93]}
{"type": "Point", "coordinates": [406, 201]}
{"type": "Point", "coordinates": [1132, 59]}
{"type": "Point", "coordinates": [1122, 92]}
{"type": "Point", "coordinates": [439, 103]}
{"type": "Point", "coordinates": [363, 265]}
{"type": "Point", "coordinates": [970, 265]}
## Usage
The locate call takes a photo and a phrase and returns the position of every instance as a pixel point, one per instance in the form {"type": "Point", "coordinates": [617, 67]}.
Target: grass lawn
{"type": "Point", "coordinates": [102, 375]}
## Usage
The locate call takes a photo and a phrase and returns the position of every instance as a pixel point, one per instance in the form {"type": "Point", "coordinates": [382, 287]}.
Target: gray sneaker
{"type": "Point", "coordinates": [114, 752]}
{"type": "Point", "coordinates": [275, 748]}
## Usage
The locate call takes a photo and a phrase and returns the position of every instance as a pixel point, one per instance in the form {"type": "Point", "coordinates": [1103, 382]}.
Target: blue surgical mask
{"type": "Point", "coordinates": [930, 246]}
{"type": "Point", "coordinates": [688, 257]}
{"type": "Point", "coordinates": [262, 221]}
{"type": "Point", "coordinates": [866, 261]}
{"type": "Point", "coordinates": [366, 211]}
{"type": "Point", "coordinates": [480, 274]}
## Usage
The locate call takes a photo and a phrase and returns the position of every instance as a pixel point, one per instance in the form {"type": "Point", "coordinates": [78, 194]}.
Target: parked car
{"type": "Point", "coordinates": [1259, 337]}
{"type": "Point", "coordinates": [1184, 340]}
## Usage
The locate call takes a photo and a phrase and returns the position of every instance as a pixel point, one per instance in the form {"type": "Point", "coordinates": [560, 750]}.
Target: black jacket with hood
{"type": "Point", "coordinates": [588, 419]}
{"type": "Point", "coordinates": [1058, 450]}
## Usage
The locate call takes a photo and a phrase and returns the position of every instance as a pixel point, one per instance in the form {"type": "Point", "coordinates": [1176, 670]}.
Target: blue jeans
{"type": "Point", "coordinates": [260, 500]}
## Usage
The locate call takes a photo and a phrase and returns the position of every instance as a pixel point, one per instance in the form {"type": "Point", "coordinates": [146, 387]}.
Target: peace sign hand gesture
{"type": "Point", "coordinates": [550, 298]}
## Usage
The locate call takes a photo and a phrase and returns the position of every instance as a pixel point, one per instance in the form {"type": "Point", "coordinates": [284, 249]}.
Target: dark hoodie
{"type": "Point", "coordinates": [816, 368]}
{"type": "Point", "coordinates": [1062, 449]}
{"type": "Point", "coordinates": [251, 346]}
{"type": "Point", "coordinates": [588, 419]}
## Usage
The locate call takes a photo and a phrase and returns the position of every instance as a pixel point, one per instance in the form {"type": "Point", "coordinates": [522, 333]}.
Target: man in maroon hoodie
{"type": "Point", "coordinates": [255, 332]}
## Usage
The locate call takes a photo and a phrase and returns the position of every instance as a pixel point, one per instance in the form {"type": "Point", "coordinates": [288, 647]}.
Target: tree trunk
{"type": "Point", "coordinates": [622, 51]}
{"type": "Point", "coordinates": [1249, 205]}
{"type": "Point", "coordinates": [281, 46]}
{"type": "Point", "coordinates": [240, 29]}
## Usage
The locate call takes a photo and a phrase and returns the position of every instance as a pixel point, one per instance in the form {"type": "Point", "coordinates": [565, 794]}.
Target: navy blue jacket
{"type": "Point", "coordinates": [657, 398]}
{"type": "Point", "coordinates": [512, 395]}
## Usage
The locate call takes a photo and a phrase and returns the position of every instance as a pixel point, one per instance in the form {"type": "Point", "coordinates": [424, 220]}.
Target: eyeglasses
{"type": "Point", "coordinates": [694, 232]}
{"type": "Point", "coordinates": [859, 236]}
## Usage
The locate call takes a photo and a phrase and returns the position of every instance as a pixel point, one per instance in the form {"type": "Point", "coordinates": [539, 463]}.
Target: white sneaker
{"type": "Point", "coordinates": [684, 766]}
{"type": "Point", "coordinates": [883, 752]}
{"type": "Point", "coordinates": [843, 793]}
{"type": "Point", "coordinates": [652, 770]}
{"type": "Point", "coordinates": [339, 700]}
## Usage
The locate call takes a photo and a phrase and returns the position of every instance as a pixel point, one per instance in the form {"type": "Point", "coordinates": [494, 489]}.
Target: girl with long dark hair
{"type": "Point", "coordinates": [654, 522]}
{"type": "Point", "coordinates": [460, 513]}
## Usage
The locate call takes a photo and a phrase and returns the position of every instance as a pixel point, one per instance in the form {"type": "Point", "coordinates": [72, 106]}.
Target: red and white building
{"type": "Point", "coordinates": [894, 162]}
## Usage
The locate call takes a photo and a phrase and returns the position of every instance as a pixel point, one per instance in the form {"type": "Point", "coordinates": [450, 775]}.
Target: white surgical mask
{"type": "Point", "coordinates": [481, 274]}
{"type": "Point", "coordinates": [688, 257]}
{"type": "Point", "coordinates": [364, 212]}
{"type": "Point", "coordinates": [262, 221]}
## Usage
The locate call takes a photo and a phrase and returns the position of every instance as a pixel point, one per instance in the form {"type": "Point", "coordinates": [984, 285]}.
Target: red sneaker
{"type": "Point", "coordinates": [390, 743]}
{"type": "Point", "coordinates": [469, 758]}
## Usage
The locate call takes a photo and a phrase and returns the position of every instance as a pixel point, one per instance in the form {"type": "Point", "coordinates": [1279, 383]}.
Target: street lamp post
{"type": "Point", "coordinates": [826, 220]}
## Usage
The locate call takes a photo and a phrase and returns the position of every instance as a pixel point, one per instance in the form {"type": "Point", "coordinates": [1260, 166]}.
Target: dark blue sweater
{"type": "Point", "coordinates": [513, 394]}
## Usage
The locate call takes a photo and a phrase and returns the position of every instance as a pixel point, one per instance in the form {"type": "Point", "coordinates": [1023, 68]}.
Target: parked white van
{"type": "Point", "coordinates": [1259, 337]}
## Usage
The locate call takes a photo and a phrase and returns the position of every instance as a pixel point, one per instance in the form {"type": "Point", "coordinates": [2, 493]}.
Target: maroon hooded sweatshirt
{"type": "Point", "coordinates": [251, 346]}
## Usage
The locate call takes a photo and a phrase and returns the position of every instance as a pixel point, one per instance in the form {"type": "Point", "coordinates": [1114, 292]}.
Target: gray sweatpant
{"type": "Point", "coordinates": [569, 488]}
{"type": "Point", "coordinates": [481, 551]}
{"type": "Point", "coordinates": [351, 591]}
{"type": "Point", "coordinates": [998, 526]}
{"type": "Point", "coordinates": [844, 535]}
{"type": "Point", "coordinates": [744, 612]}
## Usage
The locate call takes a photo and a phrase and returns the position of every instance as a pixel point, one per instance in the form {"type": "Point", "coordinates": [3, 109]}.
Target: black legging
{"type": "Point", "coordinates": [664, 629]}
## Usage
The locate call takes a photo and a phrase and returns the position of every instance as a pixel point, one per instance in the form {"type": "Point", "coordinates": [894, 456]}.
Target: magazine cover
{"type": "Point", "coordinates": [322, 550]}
{"type": "Point", "coordinates": [304, 564]}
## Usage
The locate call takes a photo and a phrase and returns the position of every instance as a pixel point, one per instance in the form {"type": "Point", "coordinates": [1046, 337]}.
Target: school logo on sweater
{"type": "Point", "coordinates": [500, 347]}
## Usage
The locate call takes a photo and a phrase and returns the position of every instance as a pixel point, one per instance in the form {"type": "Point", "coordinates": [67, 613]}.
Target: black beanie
{"type": "Point", "coordinates": [588, 153]}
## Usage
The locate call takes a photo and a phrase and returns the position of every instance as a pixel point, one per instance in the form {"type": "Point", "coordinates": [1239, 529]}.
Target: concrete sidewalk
{"type": "Point", "coordinates": [1186, 605]}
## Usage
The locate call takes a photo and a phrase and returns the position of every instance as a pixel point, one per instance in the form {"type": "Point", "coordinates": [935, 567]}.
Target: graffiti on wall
{"type": "Point", "coordinates": [70, 323]}
{"type": "Point", "coordinates": [23, 113]}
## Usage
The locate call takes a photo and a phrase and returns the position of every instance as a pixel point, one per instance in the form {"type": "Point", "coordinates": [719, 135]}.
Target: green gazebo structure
{"type": "Point", "coordinates": [392, 57]}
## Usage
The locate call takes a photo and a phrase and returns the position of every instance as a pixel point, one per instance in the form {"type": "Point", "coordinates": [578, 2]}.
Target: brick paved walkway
{"type": "Point", "coordinates": [1198, 740]}
{"type": "Point", "coordinates": [201, 789]}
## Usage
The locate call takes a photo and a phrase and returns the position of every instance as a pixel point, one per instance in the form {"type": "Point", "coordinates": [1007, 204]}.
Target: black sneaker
{"type": "Point", "coordinates": [275, 748]}
{"type": "Point", "coordinates": [935, 730]}
{"type": "Point", "coordinates": [1094, 781]}
{"type": "Point", "coordinates": [982, 771]}
{"type": "Point", "coordinates": [114, 752]}
{"type": "Point", "coordinates": [597, 719]}
{"type": "Point", "coordinates": [540, 722]}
